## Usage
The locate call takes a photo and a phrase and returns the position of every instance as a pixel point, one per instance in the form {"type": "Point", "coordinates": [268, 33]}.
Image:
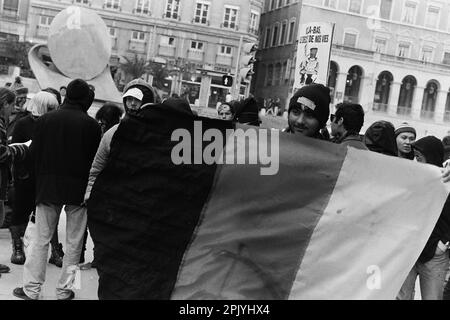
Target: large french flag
{"type": "Point", "coordinates": [333, 223]}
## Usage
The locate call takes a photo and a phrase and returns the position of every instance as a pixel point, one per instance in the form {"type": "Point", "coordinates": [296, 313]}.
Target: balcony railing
{"type": "Point", "coordinates": [224, 59]}
{"type": "Point", "coordinates": [404, 111]}
{"type": "Point", "coordinates": [195, 55]}
{"type": "Point", "coordinates": [427, 115]}
{"type": "Point", "coordinates": [253, 31]}
{"type": "Point", "coordinates": [137, 46]}
{"type": "Point", "coordinates": [42, 31]}
{"type": "Point", "coordinates": [167, 51]}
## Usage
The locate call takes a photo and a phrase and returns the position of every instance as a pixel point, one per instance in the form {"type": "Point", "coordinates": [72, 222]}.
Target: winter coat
{"type": "Point", "coordinates": [23, 173]}
{"type": "Point", "coordinates": [102, 155]}
{"type": "Point", "coordinates": [64, 144]}
{"type": "Point", "coordinates": [8, 154]}
{"type": "Point", "coordinates": [352, 140]}
{"type": "Point", "coordinates": [433, 150]}
{"type": "Point", "coordinates": [134, 253]}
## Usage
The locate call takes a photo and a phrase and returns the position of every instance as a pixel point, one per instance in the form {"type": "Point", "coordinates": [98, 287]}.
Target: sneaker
{"type": "Point", "coordinates": [19, 293]}
{"type": "Point", "coordinates": [70, 297]}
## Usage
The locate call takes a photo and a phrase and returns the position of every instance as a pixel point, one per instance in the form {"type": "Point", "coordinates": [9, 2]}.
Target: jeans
{"type": "Point", "coordinates": [431, 276]}
{"type": "Point", "coordinates": [47, 217]}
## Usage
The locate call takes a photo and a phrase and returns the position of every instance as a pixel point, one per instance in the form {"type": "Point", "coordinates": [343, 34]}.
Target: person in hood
{"type": "Point", "coordinates": [247, 112]}
{"type": "Point", "coordinates": [380, 138]}
{"type": "Point", "coordinates": [138, 94]}
{"type": "Point", "coordinates": [405, 136]}
{"type": "Point", "coordinates": [309, 110]}
{"type": "Point", "coordinates": [63, 147]}
{"type": "Point", "coordinates": [433, 263]}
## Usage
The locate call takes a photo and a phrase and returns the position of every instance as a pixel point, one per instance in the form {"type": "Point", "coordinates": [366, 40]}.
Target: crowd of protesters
{"type": "Point", "coordinates": [51, 153]}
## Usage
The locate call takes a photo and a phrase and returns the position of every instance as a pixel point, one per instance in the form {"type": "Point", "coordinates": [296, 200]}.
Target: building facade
{"type": "Point", "coordinates": [277, 51]}
{"type": "Point", "coordinates": [197, 40]}
{"type": "Point", "coordinates": [13, 25]}
{"type": "Point", "coordinates": [392, 57]}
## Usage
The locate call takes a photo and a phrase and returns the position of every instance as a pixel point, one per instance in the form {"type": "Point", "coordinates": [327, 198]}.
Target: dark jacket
{"type": "Point", "coordinates": [8, 154]}
{"type": "Point", "coordinates": [64, 145]}
{"type": "Point", "coordinates": [23, 173]}
{"type": "Point", "coordinates": [351, 140]}
{"type": "Point", "coordinates": [380, 137]}
{"type": "Point", "coordinates": [433, 150]}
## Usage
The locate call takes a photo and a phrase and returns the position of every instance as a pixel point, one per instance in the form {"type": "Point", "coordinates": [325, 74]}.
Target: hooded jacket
{"type": "Point", "coordinates": [380, 137]}
{"type": "Point", "coordinates": [64, 145]}
{"type": "Point", "coordinates": [102, 155]}
{"type": "Point", "coordinates": [433, 150]}
{"type": "Point", "coordinates": [150, 94]}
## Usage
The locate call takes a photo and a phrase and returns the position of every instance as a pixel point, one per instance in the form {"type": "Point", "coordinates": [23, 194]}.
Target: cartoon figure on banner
{"type": "Point", "coordinates": [309, 68]}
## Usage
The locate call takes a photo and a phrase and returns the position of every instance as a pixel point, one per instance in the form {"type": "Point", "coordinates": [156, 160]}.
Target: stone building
{"type": "Point", "coordinates": [196, 40]}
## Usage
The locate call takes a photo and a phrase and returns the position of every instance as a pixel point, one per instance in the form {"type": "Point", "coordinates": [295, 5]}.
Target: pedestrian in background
{"type": "Point", "coordinates": [8, 154]}
{"type": "Point", "coordinates": [24, 181]}
{"type": "Point", "coordinates": [64, 145]}
{"type": "Point", "coordinates": [405, 136]}
{"type": "Point", "coordinates": [433, 262]}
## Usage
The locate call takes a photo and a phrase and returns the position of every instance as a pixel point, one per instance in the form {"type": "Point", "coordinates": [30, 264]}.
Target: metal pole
{"type": "Point", "coordinates": [236, 84]}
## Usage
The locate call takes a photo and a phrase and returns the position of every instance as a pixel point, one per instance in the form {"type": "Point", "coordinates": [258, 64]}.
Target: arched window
{"type": "Point", "coordinates": [382, 91]}
{"type": "Point", "coordinates": [332, 78]}
{"type": "Point", "coordinates": [406, 96]}
{"type": "Point", "coordinates": [353, 84]}
{"type": "Point", "coordinates": [429, 99]}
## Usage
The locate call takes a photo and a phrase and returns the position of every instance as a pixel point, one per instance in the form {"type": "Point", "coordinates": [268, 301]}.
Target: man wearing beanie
{"type": "Point", "coordinates": [309, 110]}
{"type": "Point", "coordinates": [405, 136]}
{"type": "Point", "coordinates": [64, 144]}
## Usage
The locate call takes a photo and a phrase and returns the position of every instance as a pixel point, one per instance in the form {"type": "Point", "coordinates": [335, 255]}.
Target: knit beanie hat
{"type": "Point", "coordinates": [405, 127]}
{"type": "Point", "coordinates": [432, 148]}
{"type": "Point", "coordinates": [317, 98]}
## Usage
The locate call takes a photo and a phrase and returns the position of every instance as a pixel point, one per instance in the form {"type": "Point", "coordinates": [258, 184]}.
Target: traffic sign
{"type": "Point", "coordinates": [227, 81]}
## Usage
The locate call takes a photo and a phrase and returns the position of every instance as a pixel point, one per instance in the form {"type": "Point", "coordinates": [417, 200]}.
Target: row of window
{"type": "Point", "coordinates": [404, 49]}
{"type": "Point", "coordinates": [275, 4]}
{"type": "Point", "coordinates": [172, 10]}
{"type": "Point", "coordinates": [168, 41]}
{"type": "Point", "coordinates": [409, 13]}
{"type": "Point", "coordinates": [281, 33]}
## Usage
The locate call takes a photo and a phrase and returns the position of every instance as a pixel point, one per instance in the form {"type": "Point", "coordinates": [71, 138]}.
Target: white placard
{"type": "Point", "coordinates": [313, 53]}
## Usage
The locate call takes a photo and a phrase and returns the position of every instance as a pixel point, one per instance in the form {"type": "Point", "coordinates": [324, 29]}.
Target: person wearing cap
{"type": "Point", "coordinates": [433, 262]}
{"type": "Point", "coordinates": [309, 110]}
{"type": "Point", "coordinates": [63, 147]}
{"type": "Point", "coordinates": [138, 94]}
{"type": "Point", "coordinates": [346, 125]}
{"type": "Point", "coordinates": [405, 136]}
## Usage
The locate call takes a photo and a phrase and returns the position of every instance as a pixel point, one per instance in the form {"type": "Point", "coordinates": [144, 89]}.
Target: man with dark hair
{"type": "Point", "coordinates": [346, 125]}
{"type": "Point", "coordinates": [63, 147]}
{"type": "Point", "coordinates": [309, 110]}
